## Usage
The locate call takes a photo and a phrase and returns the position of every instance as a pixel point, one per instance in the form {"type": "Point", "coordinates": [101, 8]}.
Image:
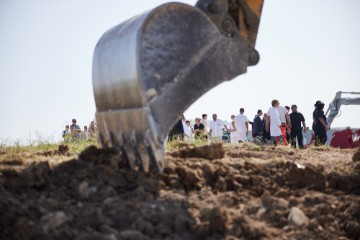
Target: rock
{"type": "Point", "coordinates": [352, 229]}
{"type": "Point", "coordinates": [217, 219]}
{"type": "Point", "coordinates": [84, 190]}
{"type": "Point", "coordinates": [52, 221]}
{"type": "Point", "coordinates": [220, 184]}
{"type": "Point", "coordinates": [282, 193]}
{"type": "Point", "coordinates": [297, 217]}
{"type": "Point", "coordinates": [261, 213]}
{"type": "Point", "coordinates": [244, 180]}
{"type": "Point", "coordinates": [271, 203]}
{"type": "Point", "coordinates": [110, 192]}
{"type": "Point", "coordinates": [143, 226]}
{"type": "Point", "coordinates": [131, 235]}
{"type": "Point", "coordinates": [97, 236]}
{"type": "Point", "coordinates": [205, 214]}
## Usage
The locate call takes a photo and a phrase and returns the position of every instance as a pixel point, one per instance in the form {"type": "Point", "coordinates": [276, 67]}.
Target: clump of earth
{"type": "Point", "coordinates": [205, 192]}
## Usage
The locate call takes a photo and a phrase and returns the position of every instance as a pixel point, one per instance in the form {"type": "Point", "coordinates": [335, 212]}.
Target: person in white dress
{"type": "Point", "coordinates": [206, 124]}
{"type": "Point", "coordinates": [273, 123]}
{"type": "Point", "coordinates": [242, 125]}
{"type": "Point", "coordinates": [231, 128]}
{"type": "Point", "coordinates": [216, 129]}
{"type": "Point", "coordinates": [188, 130]}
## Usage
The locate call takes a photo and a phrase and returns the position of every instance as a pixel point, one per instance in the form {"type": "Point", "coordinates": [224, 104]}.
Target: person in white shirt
{"type": "Point", "coordinates": [231, 128]}
{"type": "Point", "coordinates": [206, 124]}
{"type": "Point", "coordinates": [242, 125]}
{"type": "Point", "coordinates": [273, 122]}
{"type": "Point", "coordinates": [216, 127]}
{"type": "Point", "coordinates": [183, 120]}
{"type": "Point", "coordinates": [188, 130]}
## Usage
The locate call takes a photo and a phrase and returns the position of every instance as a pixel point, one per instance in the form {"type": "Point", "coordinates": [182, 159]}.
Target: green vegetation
{"type": "Point", "coordinates": [42, 146]}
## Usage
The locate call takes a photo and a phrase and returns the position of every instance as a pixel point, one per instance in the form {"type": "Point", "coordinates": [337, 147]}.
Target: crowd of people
{"type": "Point", "coordinates": [74, 132]}
{"type": "Point", "coordinates": [278, 125]}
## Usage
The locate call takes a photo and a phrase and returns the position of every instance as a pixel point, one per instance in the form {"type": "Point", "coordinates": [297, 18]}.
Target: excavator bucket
{"type": "Point", "coordinates": [151, 68]}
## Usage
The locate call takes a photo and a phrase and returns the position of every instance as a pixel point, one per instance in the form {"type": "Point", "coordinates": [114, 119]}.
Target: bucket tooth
{"type": "Point", "coordinates": [155, 151]}
{"type": "Point", "coordinates": [141, 155]}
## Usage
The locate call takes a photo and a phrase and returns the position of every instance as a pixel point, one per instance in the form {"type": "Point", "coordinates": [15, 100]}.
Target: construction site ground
{"type": "Point", "coordinates": [216, 191]}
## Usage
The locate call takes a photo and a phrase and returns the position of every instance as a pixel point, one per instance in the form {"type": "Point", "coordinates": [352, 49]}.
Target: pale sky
{"type": "Point", "coordinates": [309, 50]}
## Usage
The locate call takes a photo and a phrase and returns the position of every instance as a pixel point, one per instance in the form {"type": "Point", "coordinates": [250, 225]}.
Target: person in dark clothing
{"type": "Point", "coordinates": [266, 134]}
{"type": "Point", "coordinates": [320, 125]}
{"type": "Point", "coordinates": [257, 125]}
{"type": "Point", "coordinates": [199, 129]}
{"type": "Point", "coordinates": [288, 128]}
{"type": "Point", "coordinates": [296, 131]}
{"type": "Point", "coordinates": [313, 125]}
{"type": "Point", "coordinates": [177, 132]}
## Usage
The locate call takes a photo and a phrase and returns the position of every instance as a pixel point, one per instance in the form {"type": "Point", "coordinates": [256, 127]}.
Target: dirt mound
{"type": "Point", "coordinates": [208, 151]}
{"type": "Point", "coordinates": [245, 192]}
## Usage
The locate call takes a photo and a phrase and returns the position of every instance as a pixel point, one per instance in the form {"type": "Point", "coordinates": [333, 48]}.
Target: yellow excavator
{"type": "Point", "coordinates": [142, 67]}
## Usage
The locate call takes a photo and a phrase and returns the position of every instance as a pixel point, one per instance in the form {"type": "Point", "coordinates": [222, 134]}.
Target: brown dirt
{"type": "Point", "coordinates": [234, 192]}
{"type": "Point", "coordinates": [356, 157]}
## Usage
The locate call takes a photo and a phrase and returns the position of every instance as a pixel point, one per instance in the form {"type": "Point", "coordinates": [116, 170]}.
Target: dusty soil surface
{"type": "Point", "coordinates": [206, 192]}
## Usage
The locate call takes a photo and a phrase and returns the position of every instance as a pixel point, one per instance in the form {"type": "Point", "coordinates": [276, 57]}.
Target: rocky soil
{"type": "Point", "coordinates": [206, 192]}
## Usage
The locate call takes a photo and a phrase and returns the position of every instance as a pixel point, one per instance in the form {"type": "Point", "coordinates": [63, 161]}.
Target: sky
{"type": "Point", "coordinates": [309, 50]}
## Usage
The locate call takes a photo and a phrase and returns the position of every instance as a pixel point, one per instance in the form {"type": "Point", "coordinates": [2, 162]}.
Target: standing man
{"type": "Point", "coordinates": [75, 129]}
{"type": "Point", "coordinates": [242, 125]}
{"type": "Point", "coordinates": [296, 120]}
{"type": "Point", "coordinates": [216, 131]}
{"type": "Point", "coordinates": [206, 124]}
{"type": "Point", "coordinates": [273, 122]}
{"type": "Point", "coordinates": [258, 124]}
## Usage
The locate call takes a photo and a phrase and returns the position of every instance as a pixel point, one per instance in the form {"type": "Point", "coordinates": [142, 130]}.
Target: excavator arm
{"type": "Point", "coordinates": [151, 68]}
{"type": "Point", "coordinates": [334, 107]}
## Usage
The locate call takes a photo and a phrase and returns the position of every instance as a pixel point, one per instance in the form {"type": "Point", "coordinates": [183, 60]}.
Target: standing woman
{"type": "Point", "coordinates": [320, 126]}
{"type": "Point", "coordinates": [92, 129]}
{"type": "Point", "coordinates": [232, 129]}
{"type": "Point", "coordinates": [199, 129]}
